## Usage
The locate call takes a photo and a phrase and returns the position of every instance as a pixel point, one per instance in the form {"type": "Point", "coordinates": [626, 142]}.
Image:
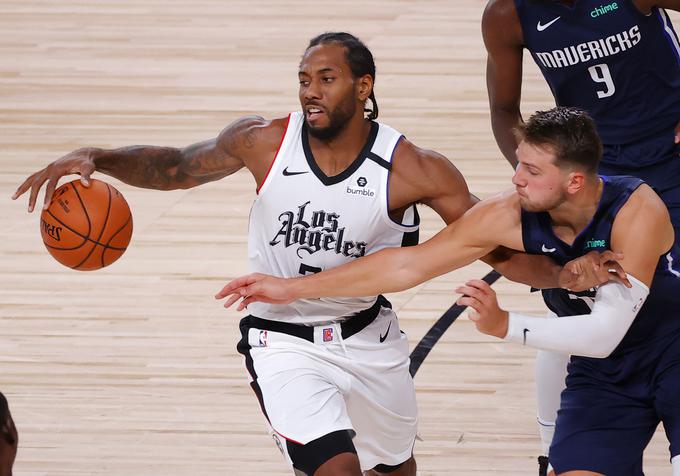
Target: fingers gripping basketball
{"type": "Point", "coordinates": [86, 228]}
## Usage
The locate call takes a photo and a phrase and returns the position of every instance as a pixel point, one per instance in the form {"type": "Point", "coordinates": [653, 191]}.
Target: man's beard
{"type": "Point", "coordinates": [337, 120]}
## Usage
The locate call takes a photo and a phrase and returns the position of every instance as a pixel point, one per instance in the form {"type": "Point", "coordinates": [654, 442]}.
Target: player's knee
{"type": "Point", "coordinates": [332, 454]}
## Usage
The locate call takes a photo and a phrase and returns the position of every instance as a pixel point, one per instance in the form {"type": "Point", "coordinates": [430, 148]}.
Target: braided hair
{"type": "Point", "coordinates": [358, 57]}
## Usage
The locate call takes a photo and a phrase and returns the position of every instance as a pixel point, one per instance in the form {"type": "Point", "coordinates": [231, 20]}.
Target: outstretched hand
{"type": "Point", "coordinates": [256, 287]}
{"type": "Point", "coordinates": [593, 269]}
{"type": "Point", "coordinates": [487, 315]}
{"type": "Point", "coordinates": [77, 162]}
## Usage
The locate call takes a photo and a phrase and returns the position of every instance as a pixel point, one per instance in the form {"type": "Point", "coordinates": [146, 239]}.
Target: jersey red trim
{"type": "Point", "coordinates": [257, 190]}
{"type": "Point", "coordinates": [288, 439]}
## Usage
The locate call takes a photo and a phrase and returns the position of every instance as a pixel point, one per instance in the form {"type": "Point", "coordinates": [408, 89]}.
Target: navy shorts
{"type": "Point", "coordinates": [611, 407]}
{"type": "Point", "coordinates": [656, 160]}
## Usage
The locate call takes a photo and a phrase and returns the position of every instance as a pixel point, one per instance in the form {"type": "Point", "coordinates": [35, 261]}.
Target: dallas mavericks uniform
{"type": "Point", "coordinates": [623, 67]}
{"type": "Point", "coordinates": [611, 407]}
{"type": "Point", "coordinates": [325, 365]}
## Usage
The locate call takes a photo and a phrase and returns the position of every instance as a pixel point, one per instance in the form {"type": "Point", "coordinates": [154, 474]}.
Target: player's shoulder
{"type": "Point", "coordinates": [643, 199]}
{"type": "Point", "coordinates": [497, 12]}
{"type": "Point", "coordinates": [409, 153]}
{"type": "Point", "coordinates": [424, 167]}
{"type": "Point", "coordinates": [644, 213]}
{"type": "Point", "coordinates": [498, 211]}
{"type": "Point", "coordinates": [253, 133]}
{"type": "Point", "coordinates": [500, 24]}
{"type": "Point", "coordinates": [499, 8]}
{"type": "Point", "coordinates": [505, 203]}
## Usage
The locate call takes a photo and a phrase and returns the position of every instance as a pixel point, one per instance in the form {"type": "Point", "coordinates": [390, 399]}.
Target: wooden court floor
{"type": "Point", "coordinates": [132, 370]}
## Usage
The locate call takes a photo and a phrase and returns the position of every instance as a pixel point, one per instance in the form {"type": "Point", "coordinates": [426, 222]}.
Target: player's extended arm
{"type": "Point", "coordinates": [541, 272]}
{"type": "Point", "coordinates": [643, 231]}
{"type": "Point", "coordinates": [424, 176]}
{"type": "Point", "coordinates": [502, 34]}
{"type": "Point", "coordinates": [388, 270]}
{"type": "Point", "coordinates": [161, 168]}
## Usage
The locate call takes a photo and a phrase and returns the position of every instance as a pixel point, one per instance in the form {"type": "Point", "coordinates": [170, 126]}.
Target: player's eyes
{"type": "Point", "coordinates": [327, 80]}
{"type": "Point", "coordinates": [304, 82]}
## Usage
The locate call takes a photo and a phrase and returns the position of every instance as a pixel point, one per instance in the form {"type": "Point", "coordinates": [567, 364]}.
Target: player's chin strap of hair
{"type": "Point", "coordinates": [589, 335]}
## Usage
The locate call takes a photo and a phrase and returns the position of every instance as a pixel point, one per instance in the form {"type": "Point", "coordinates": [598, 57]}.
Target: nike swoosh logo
{"type": "Point", "coordinates": [545, 249]}
{"type": "Point", "coordinates": [383, 337]}
{"type": "Point", "coordinates": [288, 174]}
{"type": "Point", "coordinates": [541, 27]}
{"type": "Point", "coordinates": [525, 336]}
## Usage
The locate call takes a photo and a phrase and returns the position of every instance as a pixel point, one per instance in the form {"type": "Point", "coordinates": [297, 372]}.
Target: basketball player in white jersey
{"type": "Point", "coordinates": [624, 376]}
{"type": "Point", "coordinates": [331, 375]}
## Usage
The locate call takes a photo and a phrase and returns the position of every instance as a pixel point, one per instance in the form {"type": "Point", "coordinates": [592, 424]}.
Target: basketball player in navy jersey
{"type": "Point", "coordinates": [9, 438]}
{"type": "Point", "coordinates": [624, 375]}
{"type": "Point", "coordinates": [618, 60]}
{"type": "Point", "coordinates": [332, 383]}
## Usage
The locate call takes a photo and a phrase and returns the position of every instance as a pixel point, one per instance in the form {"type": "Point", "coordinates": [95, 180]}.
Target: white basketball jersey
{"type": "Point", "coordinates": [304, 222]}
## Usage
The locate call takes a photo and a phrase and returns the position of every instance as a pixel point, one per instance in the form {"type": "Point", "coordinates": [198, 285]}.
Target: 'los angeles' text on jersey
{"type": "Point", "coordinates": [304, 221]}
{"type": "Point", "coordinates": [315, 231]}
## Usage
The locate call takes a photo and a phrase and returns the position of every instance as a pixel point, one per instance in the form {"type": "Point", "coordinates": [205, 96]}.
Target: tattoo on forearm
{"type": "Point", "coordinates": [168, 167]}
{"type": "Point", "coordinates": [215, 162]}
{"type": "Point", "coordinates": [142, 166]}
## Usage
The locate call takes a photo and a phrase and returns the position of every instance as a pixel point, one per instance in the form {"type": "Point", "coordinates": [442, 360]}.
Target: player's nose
{"type": "Point", "coordinates": [312, 91]}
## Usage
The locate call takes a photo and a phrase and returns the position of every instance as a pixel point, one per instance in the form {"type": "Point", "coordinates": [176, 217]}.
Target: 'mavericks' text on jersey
{"type": "Point", "coordinates": [587, 51]}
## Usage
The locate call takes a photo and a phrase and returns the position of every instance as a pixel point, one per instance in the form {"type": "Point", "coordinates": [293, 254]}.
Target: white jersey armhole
{"type": "Point", "coordinates": [288, 135]}
{"type": "Point", "coordinates": [410, 221]}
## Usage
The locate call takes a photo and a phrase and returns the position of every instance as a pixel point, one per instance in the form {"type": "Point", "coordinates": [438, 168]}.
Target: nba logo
{"type": "Point", "coordinates": [263, 339]}
{"type": "Point", "coordinates": [328, 334]}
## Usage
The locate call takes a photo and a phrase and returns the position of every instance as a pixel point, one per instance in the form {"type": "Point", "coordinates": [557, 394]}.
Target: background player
{"type": "Point", "coordinates": [561, 207]}
{"type": "Point", "coordinates": [620, 62]}
{"type": "Point", "coordinates": [322, 180]}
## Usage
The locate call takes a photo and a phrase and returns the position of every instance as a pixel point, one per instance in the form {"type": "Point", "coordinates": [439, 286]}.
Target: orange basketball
{"type": "Point", "coordinates": [86, 228]}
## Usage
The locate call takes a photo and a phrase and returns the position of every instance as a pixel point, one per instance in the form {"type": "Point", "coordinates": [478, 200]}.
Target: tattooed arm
{"type": "Point", "coordinates": [248, 142]}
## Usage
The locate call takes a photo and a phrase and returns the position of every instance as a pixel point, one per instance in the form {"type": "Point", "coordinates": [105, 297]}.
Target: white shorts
{"type": "Point", "coordinates": [360, 383]}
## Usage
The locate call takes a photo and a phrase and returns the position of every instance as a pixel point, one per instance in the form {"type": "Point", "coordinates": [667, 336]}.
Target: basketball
{"type": "Point", "coordinates": [86, 228]}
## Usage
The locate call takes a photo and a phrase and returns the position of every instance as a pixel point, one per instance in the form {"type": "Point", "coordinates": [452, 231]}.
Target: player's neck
{"type": "Point", "coordinates": [575, 213]}
{"type": "Point", "coordinates": [334, 155]}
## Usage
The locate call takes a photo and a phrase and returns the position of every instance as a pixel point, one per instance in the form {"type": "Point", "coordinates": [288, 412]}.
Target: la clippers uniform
{"type": "Point", "coordinates": [623, 67]}
{"type": "Point", "coordinates": [324, 365]}
{"type": "Point", "coordinates": [611, 407]}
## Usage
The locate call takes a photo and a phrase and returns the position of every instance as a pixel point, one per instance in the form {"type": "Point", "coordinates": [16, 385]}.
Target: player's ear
{"type": "Point", "coordinates": [576, 182]}
{"type": "Point", "coordinates": [364, 87]}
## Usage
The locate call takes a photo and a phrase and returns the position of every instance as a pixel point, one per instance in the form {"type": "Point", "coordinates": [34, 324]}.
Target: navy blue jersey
{"type": "Point", "coordinates": [660, 314]}
{"type": "Point", "coordinates": [609, 59]}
